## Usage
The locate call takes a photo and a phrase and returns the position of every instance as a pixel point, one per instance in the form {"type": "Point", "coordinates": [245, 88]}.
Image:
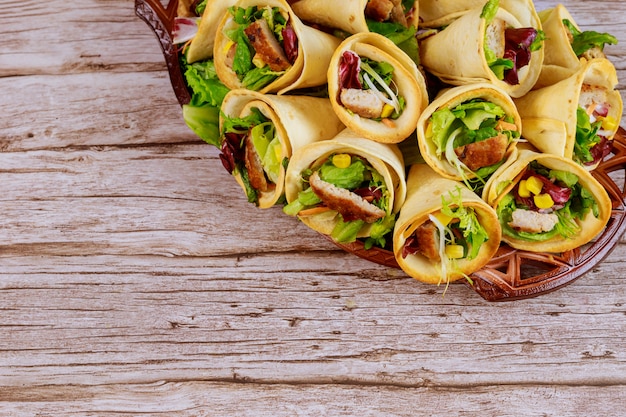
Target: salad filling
{"type": "Point", "coordinates": [594, 126]}
{"type": "Point", "coordinates": [588, 44]}
{"type": "Point", "coordinates": [508, 49]}
{"type": "Point", "coordinates": [367, 88]}
{"type": "Point", "coordinates": [263, 45]}
{"type": "Point", "coordinates": [452, 234]}
{"type": "Point", "coordinates": [545, 203]}
{"type": "Point", "coordinates": [251, 148]}
{"type": "Point", "coordinates": [391, 18]}
{"type": "Point", "coordinates": [348, 186]}
{"type": "Point", "coordinates": [473, 137]}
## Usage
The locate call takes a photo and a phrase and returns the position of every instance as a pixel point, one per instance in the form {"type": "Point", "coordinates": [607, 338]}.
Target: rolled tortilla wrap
{"type": "Point", "coordinates": [356, 205]}
{"type": "Point", "coordinates": [560, 58]}
{"type": "Point", "coordinates": [440, 13]}
{"type": "Point", "coordinates": [472, 154]}
{"type": "Point", "coordinates": [201, 46]}
{"type": "Point", "coordinates": [550, 115]}
{"type": "Point", "coordinates": [417, 237]}
{"type": "Point", "coordinates": [297, 122]}
{"type": "Point", "coordinates": [576, 210]}
{"type": "Point", "coordinates": [349, 16]}
{"type": "Point", "coordinates": [314, 50]}
{"type": "Point", "coordinates": [362, 108]}
{"type": "Point", "coordinates": [457, 54]}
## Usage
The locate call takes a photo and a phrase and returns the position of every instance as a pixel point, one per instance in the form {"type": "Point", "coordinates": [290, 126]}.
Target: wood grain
{"type": "Point", "coordinates": [136, 280]}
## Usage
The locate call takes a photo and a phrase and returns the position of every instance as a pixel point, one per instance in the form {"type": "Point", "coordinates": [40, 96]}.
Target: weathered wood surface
{"type": "Point", "coordinates": [135, 279]}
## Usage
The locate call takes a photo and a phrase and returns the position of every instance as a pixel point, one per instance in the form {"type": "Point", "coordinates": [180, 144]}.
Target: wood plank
{"type": "Point", "coordinates": [203, 399]}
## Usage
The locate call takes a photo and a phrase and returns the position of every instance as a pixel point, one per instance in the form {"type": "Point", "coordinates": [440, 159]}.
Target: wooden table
{"type": "Point", "coordinates": [135, 279]}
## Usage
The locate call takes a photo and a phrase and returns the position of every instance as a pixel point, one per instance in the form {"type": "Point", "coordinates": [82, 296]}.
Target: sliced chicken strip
{"type": "Point", "coordinates": [350, 205]}
{"type": "Point", "coordinates": [266, 46]}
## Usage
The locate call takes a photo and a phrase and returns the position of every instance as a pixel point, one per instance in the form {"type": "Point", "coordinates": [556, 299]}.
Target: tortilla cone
{"type": "Point", "coordinates": [456, 54]}
{"type": "Point", "coordinates": [450, 99]}
{"type": "Point", "coordinates": [309, 70]}
{"type": "Point", "coordinates": [347, 15]}
{"type": "Point", "coordinates": [504, 180]}
{"type": "Point", "coordinates": [549, 113]}
{"type": "Point", "coordinates": [425, 189]}
{"type": "Point", "coordinates": [384, 158]}
{"type": "Point", "coordinates": [559, 60]}
{"type": "Point", "coordinates": [440, 13]}
{"type": "Point", "coordinates": [201, 46]}
{"type": "Point", "coordinates": [299, 120]}
{"type": "Point", "coordinates": [407, 77]}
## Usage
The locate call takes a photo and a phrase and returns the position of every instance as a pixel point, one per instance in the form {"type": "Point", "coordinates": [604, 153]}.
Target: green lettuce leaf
{"type": "Point", "coordinates": [349, 178]}
{"type": "Point", "coordinates": [204, 122]}
{"type": "Point", "coordinates": [586, 136]}
{"type": "Point", "coordinates": [473, 232]}
{"type": "Point", "coordinates": [583, 41]}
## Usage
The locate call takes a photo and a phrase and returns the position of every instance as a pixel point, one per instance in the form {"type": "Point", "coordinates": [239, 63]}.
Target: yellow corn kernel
{"type": "Point", "coordinates": [443, 218]}
{"type": "Point", "coordinates": [534, 185]}
{"type": "Point", "coordinates": [258, 61]}
{"type": "Point", "coordinates": [387, 110]}
{"type": "Point", "coordinates": [522, 189]}
{"type": "Point", "coordinates": [543, 201]}
{"type": "Point", "coordinates": [454, 251]}
{"type": "Point", "coordinates": [609, 123]}
{"type": "Point", "coordinates": [429, 130]}
{"type": "Point", "coordinates": [342, 160]}
{"type": "Point", "coordinates": [227, 46]}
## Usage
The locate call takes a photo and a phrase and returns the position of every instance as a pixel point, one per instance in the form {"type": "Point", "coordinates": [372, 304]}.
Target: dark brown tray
{"type": "Point", "coordinates": [511, 274]}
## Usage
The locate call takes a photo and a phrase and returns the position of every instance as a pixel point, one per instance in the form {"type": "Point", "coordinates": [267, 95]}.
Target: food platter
{"type": "Point", "coordinates": [511, 274]}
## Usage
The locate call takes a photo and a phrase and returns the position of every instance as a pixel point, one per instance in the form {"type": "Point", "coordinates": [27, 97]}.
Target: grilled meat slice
{"type": "Point", "coordinates": [427, 240]}
{"type": "Point", "coordinates": [379, 10]}
{"type": "Point", "coordinates": [484, 153]}
{"type": "Point", "coordinates": [350, 205]}
{"type": "Point", "coordinates": [266, 46]}
{"type": "Point", "coordinates": [532, 221]}
{"type": "Point", "coordinates": [496, 37]}
{"type": "Point", "coordinates": [365, 103]}
{"type": "Point", "coordinates": [397, 13]}
{"type": "Point", "coordinates": [254, 166]}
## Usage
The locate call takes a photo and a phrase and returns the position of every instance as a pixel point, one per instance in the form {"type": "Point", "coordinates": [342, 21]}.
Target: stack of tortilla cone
{"type": "Point", "coordinates": [201, 46]}
{"type": "Point", "coordinates": [347, 15]}
{"type": "Point", "coordinates": [549, 113]}
{"type": "Point", "coordinates": [456, 54]}
{"type": "Point", "coordinates": [505, 179]}
{"type": "Point", "coordinates": [449, 99]}
{"type": "Point", "coordinates": [315, 49]}
{"type": "Point", "coordinates": [406, 77]}
{"type": "Point", "coordinates": [299, 121]}
{"type": "Point", "coordinates": [384, 158]}
{"type": "Point", "coordinates": [425, 189]}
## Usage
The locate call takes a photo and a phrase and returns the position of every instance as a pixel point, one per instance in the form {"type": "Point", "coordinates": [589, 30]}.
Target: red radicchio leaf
{"type": "Point", "coordinates": [185, 28]}
{"type": "Point", "coordinates": [517, 49]}
{"type": "Point", "coordinates": [411, 246]}
{"type": "Point", "coordinates": [290, 43]}
{"type": "Point", "coordinates": [375, 193]}
{"type": "Point", "coordinates": [601, 110]}
{"type": "Point", "coordinates": [232, 152]}
{"type": "Point", "coordinates": [349, 68]}
{"type": "Point", "coordinates": [560, 195]}
{"type": "Point", "coordinates": [600, 150]}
